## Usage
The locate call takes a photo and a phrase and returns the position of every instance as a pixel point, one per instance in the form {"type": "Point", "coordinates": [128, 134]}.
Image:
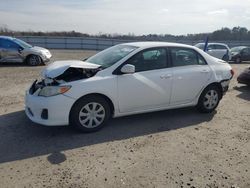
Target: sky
{"type": "Point", "coordinates": [125, 16]}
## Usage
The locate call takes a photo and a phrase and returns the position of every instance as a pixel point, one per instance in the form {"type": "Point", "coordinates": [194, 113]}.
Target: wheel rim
{"type": "Point", "coordinates": [92, 115]}
{"type": "Point", "coordinates": [211, 99]}
{"type": "Point", "coordinates": [33, 60]}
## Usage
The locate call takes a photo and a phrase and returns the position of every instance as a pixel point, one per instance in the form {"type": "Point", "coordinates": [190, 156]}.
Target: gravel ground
{"type": "Point", "coordinates": [174, 148]}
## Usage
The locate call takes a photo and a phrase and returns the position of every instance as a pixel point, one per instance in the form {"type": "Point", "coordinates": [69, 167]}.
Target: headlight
{"type": "Point", "coordinates": [45, 54]}
{"type": "Point", "coordinates": [53, 90]}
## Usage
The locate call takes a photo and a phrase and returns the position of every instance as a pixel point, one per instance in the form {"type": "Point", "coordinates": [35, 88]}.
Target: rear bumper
{"type": "Point", "coordinates": [46, 59]}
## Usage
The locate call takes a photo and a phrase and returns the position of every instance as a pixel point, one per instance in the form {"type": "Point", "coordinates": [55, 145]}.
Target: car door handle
{"type": "Point", "coordinates": [205, 71]}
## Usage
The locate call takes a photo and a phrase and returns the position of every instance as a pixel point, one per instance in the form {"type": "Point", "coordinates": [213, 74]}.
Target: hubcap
{"type": "Point", "coordinates": [91, 115]}
{"type": "Point", "coordinates": [211, 99]}
{"type": "Point", "coordinates": [33, 60]}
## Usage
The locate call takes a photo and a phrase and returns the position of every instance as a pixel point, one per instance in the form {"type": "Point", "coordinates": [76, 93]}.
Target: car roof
{"type": "Point", "coordinates": [216, 43]}
{"type": "Point", "coordinates": [6, 37]}
{"type": "Point", "coordinates": [149, 44]}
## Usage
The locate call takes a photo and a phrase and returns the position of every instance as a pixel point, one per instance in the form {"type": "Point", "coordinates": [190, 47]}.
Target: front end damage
{"type": "Point", "coordinates": [62, 75]}
{"type": "Point", "coordinates": [44, 101]}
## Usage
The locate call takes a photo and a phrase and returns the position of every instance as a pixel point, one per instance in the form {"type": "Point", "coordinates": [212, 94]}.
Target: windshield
{"type": "Point", "coordinates": [110, 56]}
{"type": "Point", "coordinates": [22, 43]}
{"type": "Point", "coordinates": [237, 49]}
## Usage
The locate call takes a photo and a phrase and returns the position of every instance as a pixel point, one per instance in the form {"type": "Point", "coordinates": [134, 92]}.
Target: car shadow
{"type": "Point", "coordinates": [22, 139]}
{"type": "Point", "coordinates": [244, 92]}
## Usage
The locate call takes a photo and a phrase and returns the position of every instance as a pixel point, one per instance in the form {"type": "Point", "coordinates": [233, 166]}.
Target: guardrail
{"type": "Point", "coordinates": [89, 43]}
{"type": "Point", "coordinates": [71, 42]}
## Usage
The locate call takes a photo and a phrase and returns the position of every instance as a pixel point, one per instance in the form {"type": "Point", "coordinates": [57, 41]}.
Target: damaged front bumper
{"type": "Point", "coordinates": [46, 58]}
{"type": "Point", "coordinates": [50, 111]}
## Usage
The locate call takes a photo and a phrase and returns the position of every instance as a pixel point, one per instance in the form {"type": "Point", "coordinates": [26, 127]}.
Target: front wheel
{"type": "Point", "coordinates": [238, 60]}
{"type": "Point", "coordinates": [209, 99]}
{"type": "Point", "coordinates": [34, 60]}
{"type": "Point", "coordinates": [90, 114]}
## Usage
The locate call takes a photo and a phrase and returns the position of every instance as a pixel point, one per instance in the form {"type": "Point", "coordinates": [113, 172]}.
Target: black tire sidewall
{"type": "Point", "coordinates": [38, 60]}
{"type": "Point", "coordinates": [200, 104]}
{"type": "Point", "coordinates": [74, 113]}
{"type": "Point", "coordinates": [238, 60]}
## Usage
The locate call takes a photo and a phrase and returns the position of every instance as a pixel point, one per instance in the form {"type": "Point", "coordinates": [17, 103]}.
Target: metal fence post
{"type": "Point", "coordinates": [45, 42]}
{"type": "Point", "coordinates": [97, 44]}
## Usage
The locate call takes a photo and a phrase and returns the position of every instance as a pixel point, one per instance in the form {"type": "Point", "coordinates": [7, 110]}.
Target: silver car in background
{"type": "Point", "coordinates": [218, 50]}
{"type": "Point", "coordinates": [18, 51]}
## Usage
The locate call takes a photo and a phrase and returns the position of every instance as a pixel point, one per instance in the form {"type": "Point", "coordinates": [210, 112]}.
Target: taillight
{"type": "Point", "coordinates": [232, 72]}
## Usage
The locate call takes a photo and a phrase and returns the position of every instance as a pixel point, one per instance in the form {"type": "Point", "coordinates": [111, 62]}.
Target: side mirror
{"type": "Point", "coordinates": [128, 69]}
{"type": "Point", "coordinates": [20, 49]}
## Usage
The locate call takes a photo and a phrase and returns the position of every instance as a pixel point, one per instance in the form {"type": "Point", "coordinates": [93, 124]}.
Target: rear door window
{"type": "Point", "coordinates": [211, 47]}
{"type": "Point", "coordinates": [220, 47]}
{"type": "Point", "coordinates": [185, 57]}
{"type": "Point", "coordinates": [245, 51]}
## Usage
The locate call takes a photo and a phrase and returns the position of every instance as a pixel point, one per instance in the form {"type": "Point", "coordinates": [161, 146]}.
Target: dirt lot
{"type": "Point", "coordinates": [175, 148]}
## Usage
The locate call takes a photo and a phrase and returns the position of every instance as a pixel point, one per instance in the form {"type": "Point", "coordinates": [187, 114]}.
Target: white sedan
{"type": "Point", "coordinates": [127, 79]}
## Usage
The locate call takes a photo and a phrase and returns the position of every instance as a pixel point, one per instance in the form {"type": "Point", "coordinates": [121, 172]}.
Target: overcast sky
{"type": "Point", "coordinates": [125, 16]}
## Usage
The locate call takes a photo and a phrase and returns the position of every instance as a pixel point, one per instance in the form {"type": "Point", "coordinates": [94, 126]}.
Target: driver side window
{"type": "Point", "coordinates": [149, 60]}
{"type": "Point", "coordinates": [245, 51]}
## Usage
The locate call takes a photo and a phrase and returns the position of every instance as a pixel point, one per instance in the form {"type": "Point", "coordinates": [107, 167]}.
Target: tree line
{"type": "Point", "coordinates": [236, 33]}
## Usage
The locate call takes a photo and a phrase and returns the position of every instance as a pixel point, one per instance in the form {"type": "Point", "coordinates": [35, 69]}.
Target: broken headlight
{"type": "Point", "coordinates": [48, 91]}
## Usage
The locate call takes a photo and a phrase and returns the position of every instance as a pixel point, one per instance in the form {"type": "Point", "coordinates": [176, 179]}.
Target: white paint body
{"type": "Point", "coordinates": [140, 92]}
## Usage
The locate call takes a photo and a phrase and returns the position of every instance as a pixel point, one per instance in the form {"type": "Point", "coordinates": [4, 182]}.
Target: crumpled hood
{"type": "Point", "coordinates": [57, 68]}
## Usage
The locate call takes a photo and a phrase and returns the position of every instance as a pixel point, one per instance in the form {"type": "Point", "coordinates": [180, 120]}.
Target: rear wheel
{"type": "Point", "coordinates": [90, 114]}
{"type": "Point", "coordinates": [209, 99]}
{"type": "Point", "coordinates": [34, 60]}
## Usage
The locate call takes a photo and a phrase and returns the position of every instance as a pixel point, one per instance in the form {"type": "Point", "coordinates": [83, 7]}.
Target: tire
{"type": "Point", "coordinates": [85, 119]}
{"type": "Point", "coordinates": [225, 58]}
{"type": "Point", "coordinates": [238, 60]}
{"type": "Point", "coordinates": [209, 99]}
{"type": "Point", "coordinates": [34, 60]}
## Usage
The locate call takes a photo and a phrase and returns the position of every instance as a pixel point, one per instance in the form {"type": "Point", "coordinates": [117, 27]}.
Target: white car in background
{"type": "Point", "coordinates": [218, 50]}
{"type": "Point", "coordinates": [127, 79]}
